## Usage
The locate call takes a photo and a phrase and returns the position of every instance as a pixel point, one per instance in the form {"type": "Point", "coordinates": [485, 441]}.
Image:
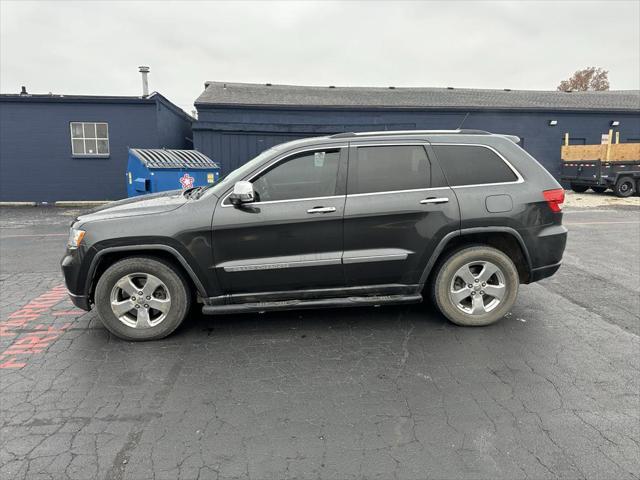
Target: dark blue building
{"type": "Point", "coordinates": [72, 147]}
{"type": "Point", "coordinates": [236, 121]}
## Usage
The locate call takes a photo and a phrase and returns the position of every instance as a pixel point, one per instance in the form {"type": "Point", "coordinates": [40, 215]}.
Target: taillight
{"type": "Point", "coordinates": [554, 198]}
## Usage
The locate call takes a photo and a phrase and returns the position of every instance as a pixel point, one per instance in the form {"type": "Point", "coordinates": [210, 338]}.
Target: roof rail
{"type": "Point", "coordinates": [463, 131]}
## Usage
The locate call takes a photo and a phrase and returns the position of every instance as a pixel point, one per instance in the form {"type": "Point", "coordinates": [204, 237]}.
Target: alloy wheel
{"type": "Point", "coordinates": [477, 287]}
{"type": "Point", "coordinates": [140, 300]}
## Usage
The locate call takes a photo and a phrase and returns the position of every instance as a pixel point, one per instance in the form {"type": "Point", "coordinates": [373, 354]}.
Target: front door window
{"type": "Point", "coordinates": [307, 175]}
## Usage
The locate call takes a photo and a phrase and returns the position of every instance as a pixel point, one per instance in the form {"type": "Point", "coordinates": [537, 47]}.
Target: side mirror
{"type": "Point", "coordinates": [242, 193]}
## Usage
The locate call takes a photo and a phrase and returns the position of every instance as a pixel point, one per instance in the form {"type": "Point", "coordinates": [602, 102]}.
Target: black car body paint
{"type": "Point", "coordinates": [341, 245]}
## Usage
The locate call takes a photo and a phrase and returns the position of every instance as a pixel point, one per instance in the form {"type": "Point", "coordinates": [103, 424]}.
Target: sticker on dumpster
{"type": "Point", "coordinates": [186, 181]}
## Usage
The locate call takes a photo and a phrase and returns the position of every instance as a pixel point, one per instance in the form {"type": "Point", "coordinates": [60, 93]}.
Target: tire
{"type": "Point", "coordinates": [599, 189]}
{"type": "Point", "coordinates": [579, 188]}
{"type": "Point", "coordinates": [168, 291]}
{"type": "Point", "coordinates": [625, 187]}
{"type": "Point", "coordinates": [448, 285]}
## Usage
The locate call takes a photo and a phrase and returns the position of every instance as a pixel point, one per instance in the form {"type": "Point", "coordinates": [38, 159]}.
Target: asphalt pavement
{"type": "Point", "coordinates": [551, 391]}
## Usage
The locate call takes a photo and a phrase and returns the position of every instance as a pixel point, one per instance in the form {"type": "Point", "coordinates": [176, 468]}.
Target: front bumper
{"type": "Point", "coordinates": [80, 301]}
{"type": "Point", "coordinates": [74, 278]}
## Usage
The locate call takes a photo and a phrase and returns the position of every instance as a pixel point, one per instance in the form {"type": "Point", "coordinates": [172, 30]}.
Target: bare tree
{"type": "Point", "coordinates": [590, 78]}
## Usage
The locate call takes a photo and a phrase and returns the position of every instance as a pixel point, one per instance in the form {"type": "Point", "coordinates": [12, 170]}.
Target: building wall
{"type": "Point", "coordinates": [232, 136]}
{"type": "Point", "coordinates": [174, 128]}
{"type": "Point", "coordinates": [36, 163]}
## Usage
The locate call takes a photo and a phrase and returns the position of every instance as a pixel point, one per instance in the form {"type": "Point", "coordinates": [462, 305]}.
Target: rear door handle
{"type": "Point", "coordinates": [321, 210]}
{"type": "Point", "coordinates": [434, 200]}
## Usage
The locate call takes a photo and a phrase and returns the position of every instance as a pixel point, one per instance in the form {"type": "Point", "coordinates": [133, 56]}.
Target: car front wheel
{"type": "Point", "coordinates": [476, 286]}
{"type": "Point", "coordinates": [142, 298]}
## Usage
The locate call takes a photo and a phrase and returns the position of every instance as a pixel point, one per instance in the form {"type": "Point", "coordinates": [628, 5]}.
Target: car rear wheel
{"type": "Point", "coordinates": [476, 286]}
{"type": "Point", "coordinates": [142, 298]}
{"type": "Point", "coordinates": [579, 188]}
{"type": "Point", "coordinates": [625, 187]}
{"type": "Point", "coordinates": [599, 189]}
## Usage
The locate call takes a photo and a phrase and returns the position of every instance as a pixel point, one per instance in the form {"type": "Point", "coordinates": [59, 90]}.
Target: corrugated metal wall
{"type": "Point", "coordinates": [231, 136]}
{"type": "Point", "coordinates": [237, 148]}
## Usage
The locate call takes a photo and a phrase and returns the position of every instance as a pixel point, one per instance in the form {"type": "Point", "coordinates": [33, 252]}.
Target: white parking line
{"type": "Point", "coordinates": [36, 235]}
{"type": "Point", "coordinates": [586, 211]}
{"type": "Point", "coordinates": [600, 223]}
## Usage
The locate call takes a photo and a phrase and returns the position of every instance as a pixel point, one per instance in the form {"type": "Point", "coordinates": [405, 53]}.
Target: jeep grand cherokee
{"type": "Point", "coordinates": [460, 217]}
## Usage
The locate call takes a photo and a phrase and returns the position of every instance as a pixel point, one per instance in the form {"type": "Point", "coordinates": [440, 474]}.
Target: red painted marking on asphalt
{"type": "Point", "coordinates": [37, 340]}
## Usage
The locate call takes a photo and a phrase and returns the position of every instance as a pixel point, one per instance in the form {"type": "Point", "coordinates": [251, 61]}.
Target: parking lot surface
{"type": "Point", "coordinates": [551, 391]}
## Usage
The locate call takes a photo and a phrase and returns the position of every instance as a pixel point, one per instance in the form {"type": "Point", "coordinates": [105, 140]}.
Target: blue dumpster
{"type": "Point", "coordinates": [151, 170]}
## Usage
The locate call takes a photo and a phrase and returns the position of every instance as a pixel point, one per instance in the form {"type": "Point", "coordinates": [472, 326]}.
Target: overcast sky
{"type": "Point", "coordinates": [90, 47]}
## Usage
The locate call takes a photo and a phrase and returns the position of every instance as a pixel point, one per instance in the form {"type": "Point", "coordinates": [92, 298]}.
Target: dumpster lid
{"type": "Point", "coordinates": [162, 158]}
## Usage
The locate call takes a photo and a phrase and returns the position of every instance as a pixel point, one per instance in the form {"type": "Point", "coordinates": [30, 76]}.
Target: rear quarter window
{"type": "Point", "coordinates": [472, 165]}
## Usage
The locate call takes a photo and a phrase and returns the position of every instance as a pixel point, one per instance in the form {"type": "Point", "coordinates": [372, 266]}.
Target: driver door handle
{"type": "Point", "coordinates": [321, 210]}
{"type": "Point", "coordinates": [434, 200]}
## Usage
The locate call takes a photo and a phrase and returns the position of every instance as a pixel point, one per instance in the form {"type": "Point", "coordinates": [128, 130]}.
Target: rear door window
{"type": "Point", "coordinates": [472, 165]}
{"type": "Point", "coordinates": [388, 168]}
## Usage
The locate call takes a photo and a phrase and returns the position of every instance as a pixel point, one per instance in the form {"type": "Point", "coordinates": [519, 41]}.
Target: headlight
{"type": "Point", "coordinates": [75, 237]}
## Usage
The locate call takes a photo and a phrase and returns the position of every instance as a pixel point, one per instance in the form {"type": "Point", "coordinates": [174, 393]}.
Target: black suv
{"type": "Point", "coordinates": [462, 217]}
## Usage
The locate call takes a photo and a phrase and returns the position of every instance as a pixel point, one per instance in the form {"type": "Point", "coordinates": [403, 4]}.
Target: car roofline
{"type": "Point", "coordinates": [410, 132]}
{"type": "Point", "coordinates": [407, 133]}
{"type": "Point", "coordinates": [390, 134]}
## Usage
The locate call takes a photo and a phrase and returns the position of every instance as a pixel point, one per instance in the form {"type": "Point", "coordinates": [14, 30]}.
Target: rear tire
{"type": "Point", "coordinates": [476, 286]}
{"type": "Point", "coordinates": [579, 188]}
{"type": "Point", "coordinates": [599, 189]}
{"type": "Point", "coordinates": [625, 187]}
{"type": "Point", "coordinates": [142, 298]}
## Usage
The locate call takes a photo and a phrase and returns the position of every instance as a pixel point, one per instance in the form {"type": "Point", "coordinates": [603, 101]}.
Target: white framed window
{"type": "Point", "coordinates": [89, 139]}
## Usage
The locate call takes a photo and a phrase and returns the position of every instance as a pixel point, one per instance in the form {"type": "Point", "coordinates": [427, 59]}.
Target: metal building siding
{"type": "Point", "coordinates": [232, 136]}
{"type": "Point", "coordinates": [174, 128]}
{"type": "Point", "coordinates": [36, 163]}
{"type": "Point", "coordinates": [233, 149]}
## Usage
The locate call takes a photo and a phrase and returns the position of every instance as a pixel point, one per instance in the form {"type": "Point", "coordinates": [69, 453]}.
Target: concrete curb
{"type": "Point", "coordinates": [81, 203]}
{"type": "Point", "coordinates": [18, 204]}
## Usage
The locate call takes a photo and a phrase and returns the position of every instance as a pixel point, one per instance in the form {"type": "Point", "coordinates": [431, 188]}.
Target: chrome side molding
{"type": "Point", "coordinates": [325, 258]}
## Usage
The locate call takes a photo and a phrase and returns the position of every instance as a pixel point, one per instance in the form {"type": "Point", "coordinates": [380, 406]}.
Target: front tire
{"type": "Point", "coordinates": [476, 286]}
{"type": "Point", "coordinates": [142, 298]}
{"type": "Point", "coordinates": [625, 187]}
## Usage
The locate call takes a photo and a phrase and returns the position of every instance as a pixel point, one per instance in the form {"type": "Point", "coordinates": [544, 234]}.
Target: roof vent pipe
{"type": "Point", "coordinates": [145, 82]}
{"type": "Point", "coordinates": [23, 91]}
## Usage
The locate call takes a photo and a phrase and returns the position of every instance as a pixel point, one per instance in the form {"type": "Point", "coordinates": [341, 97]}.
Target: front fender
{"type": "Point", "coordinates": [191, 268]}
